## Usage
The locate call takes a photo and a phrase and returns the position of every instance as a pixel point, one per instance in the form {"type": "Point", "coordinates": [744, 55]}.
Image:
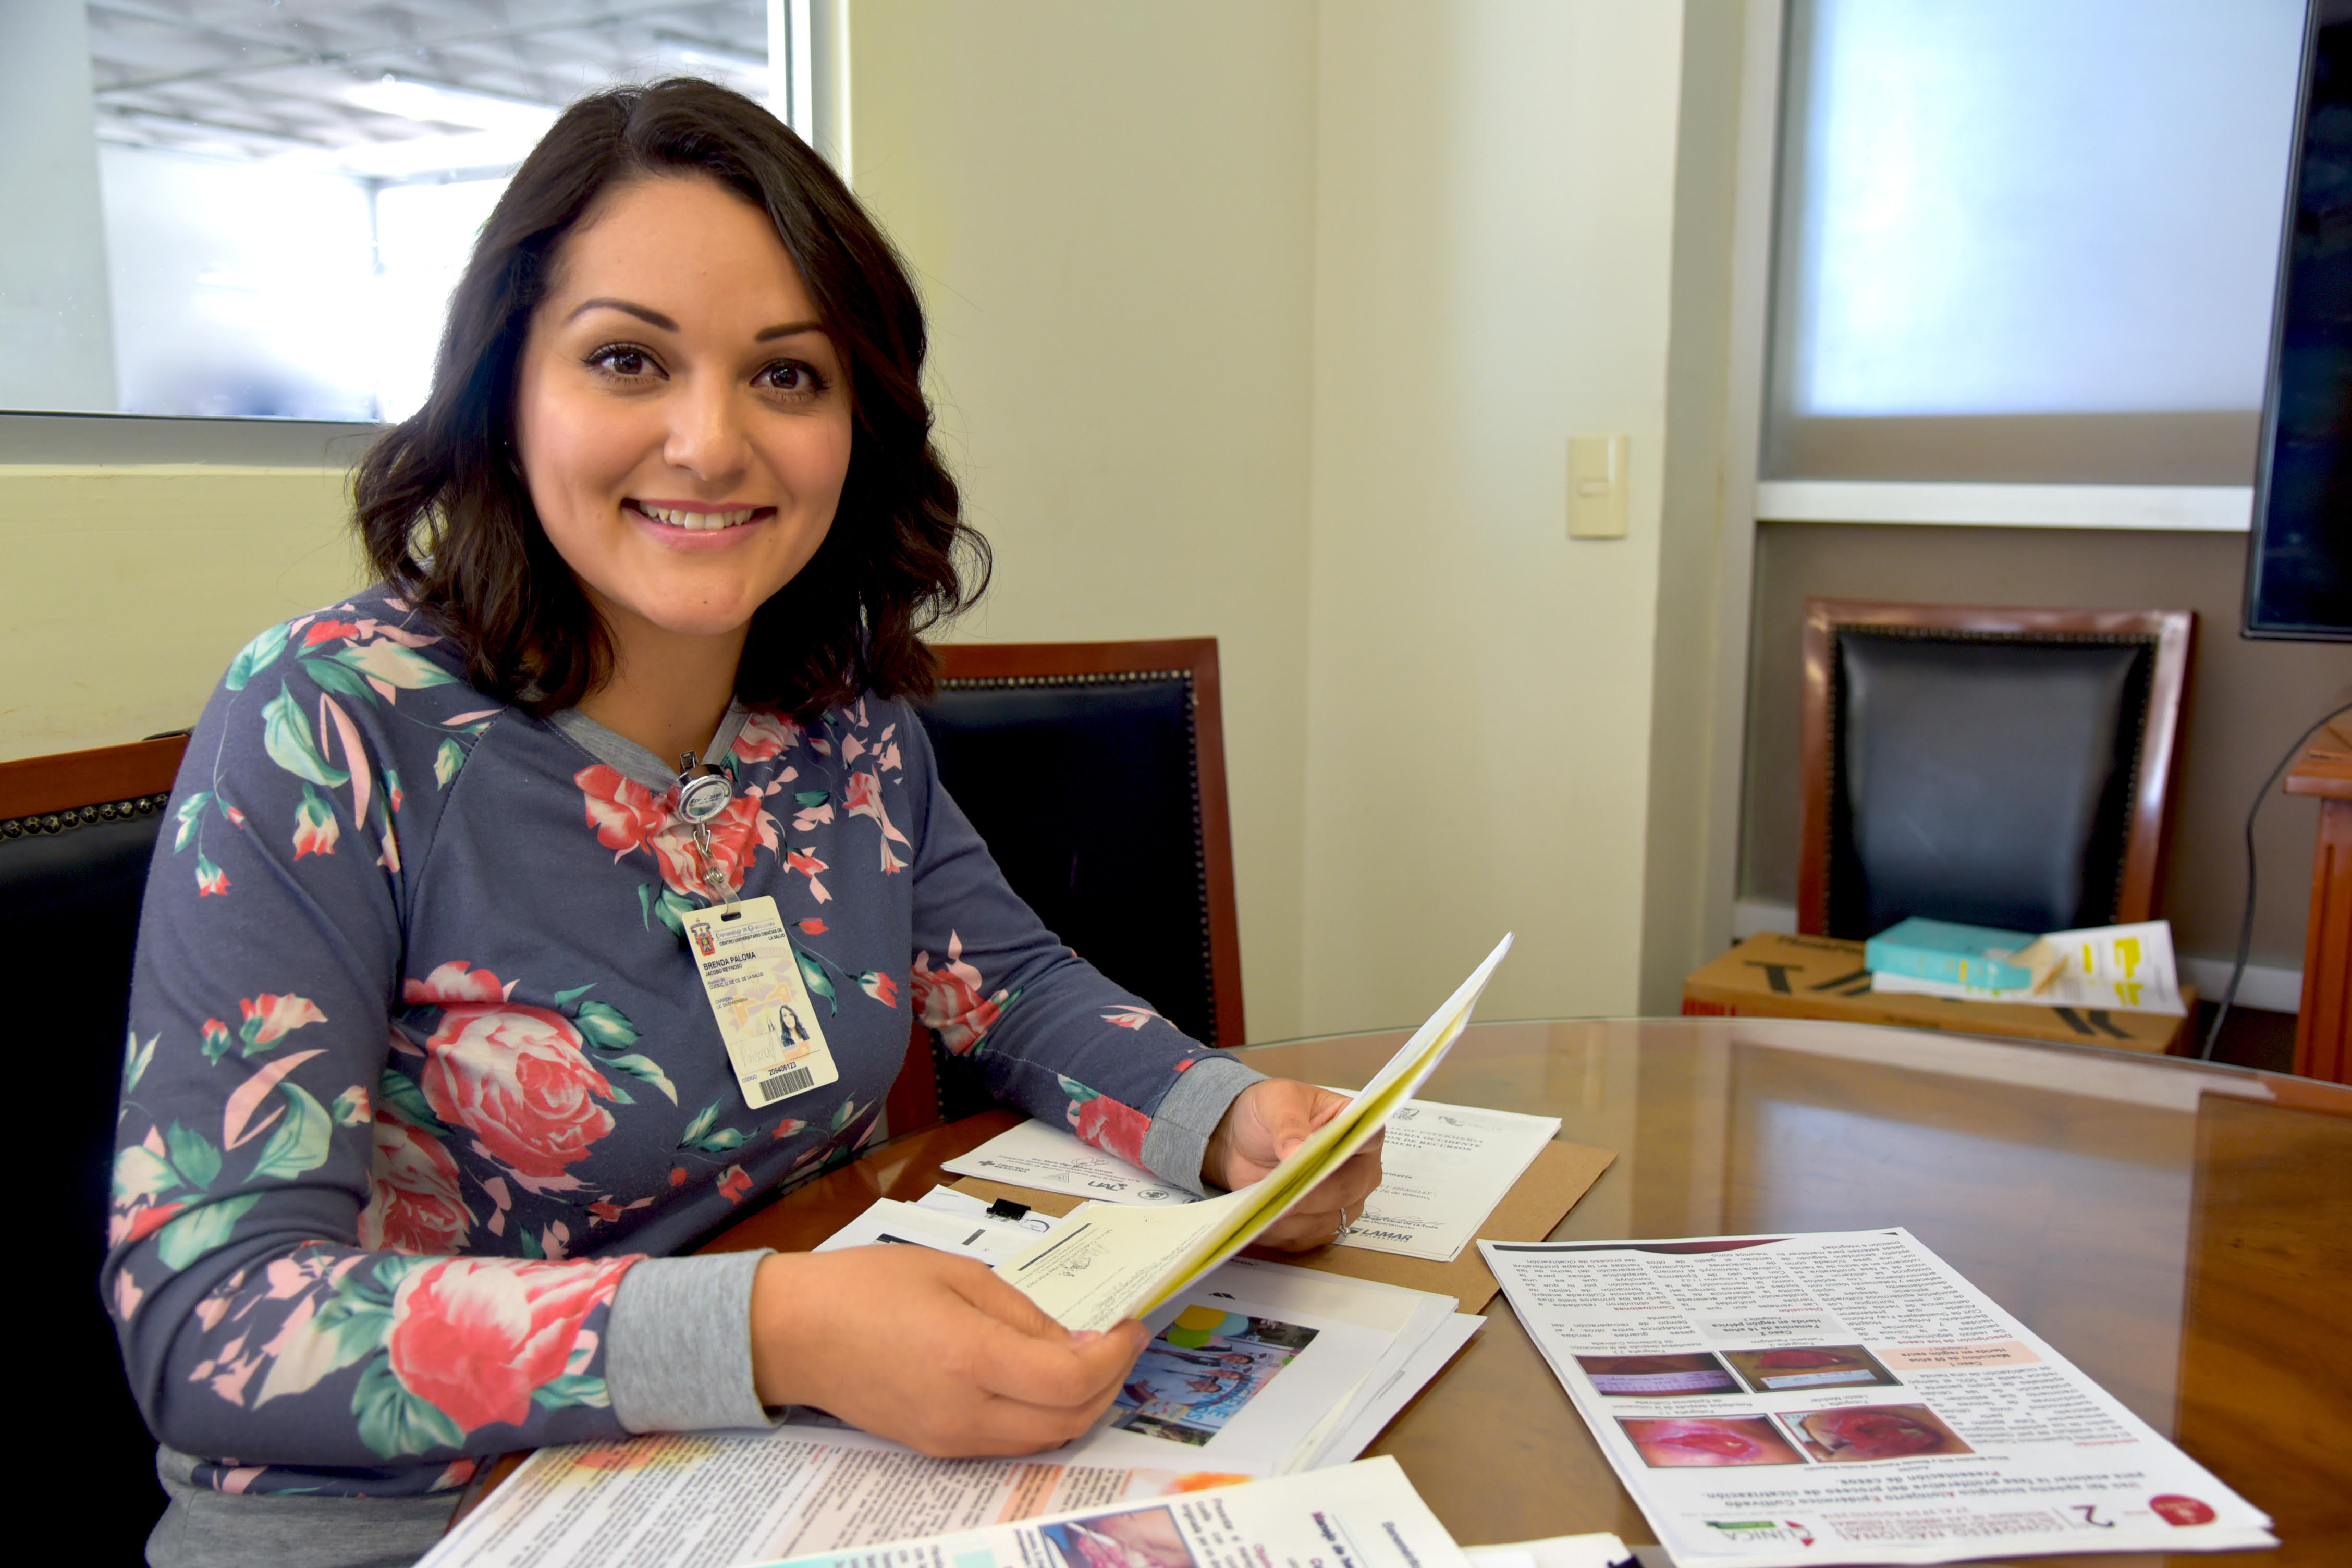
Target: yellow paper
{"type": "Point", "coordinates": [1112, 1261]}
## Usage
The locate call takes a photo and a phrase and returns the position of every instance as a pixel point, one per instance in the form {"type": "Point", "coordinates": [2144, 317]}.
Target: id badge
{"type": "Point", "coordinates": [764, 1008]}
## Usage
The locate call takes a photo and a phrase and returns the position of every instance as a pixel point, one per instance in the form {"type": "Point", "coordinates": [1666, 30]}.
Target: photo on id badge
{"type": "Point", "coordinates": [1202, 1370]}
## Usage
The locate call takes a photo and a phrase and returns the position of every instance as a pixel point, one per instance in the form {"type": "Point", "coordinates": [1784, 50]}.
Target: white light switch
{"type": "Point", "coordinates": [1596, 487]}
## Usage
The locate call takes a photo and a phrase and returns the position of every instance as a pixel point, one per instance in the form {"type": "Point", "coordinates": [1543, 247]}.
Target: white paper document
{"type": "Point", "coordinates": [960, 1224]}
{"type": "Point", "coordinates": [1388, 1392]}
{"type": "Point", "coordinates": [1443, 1170]}
{"type": "Point", "coordinates": [708, 1500]}
{"type": "Point", "coordinates": [1365, 1515]}
{"type": "Point", "coordinates": [1041, 1155]}
{"type": "Point", "coordinates": [1258, 1369]}
{"type": "Point", "coordinates": [1112, 1262]}
{"type": "Point", "coordinates": [1597, 1550]}
{"type": "Point", "coordinates": [1846, 1397]}
{"type": "Point", "coordinates": [1387, 1343]}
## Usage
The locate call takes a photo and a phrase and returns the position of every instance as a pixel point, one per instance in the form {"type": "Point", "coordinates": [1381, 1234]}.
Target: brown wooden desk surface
{"type": "Point", "coordinates": [2183, 1232]}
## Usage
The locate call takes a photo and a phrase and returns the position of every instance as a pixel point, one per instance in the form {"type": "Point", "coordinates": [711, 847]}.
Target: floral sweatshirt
{"type": "Point", "coordinates": [420, 1066]}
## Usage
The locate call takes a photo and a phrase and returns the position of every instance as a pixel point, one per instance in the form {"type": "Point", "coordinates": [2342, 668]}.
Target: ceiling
{"type": "Point", "coordinates": [473, 81]}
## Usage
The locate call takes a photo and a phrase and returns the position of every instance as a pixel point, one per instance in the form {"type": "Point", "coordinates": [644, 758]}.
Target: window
{"type": "Point", "coordinates": [259, 210]}
{"type": "Point", "coordinates": [2021, 242]}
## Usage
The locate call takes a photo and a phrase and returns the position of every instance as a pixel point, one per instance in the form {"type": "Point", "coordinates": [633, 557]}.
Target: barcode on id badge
{"type": "Point", "coordinates": [791, 1080]}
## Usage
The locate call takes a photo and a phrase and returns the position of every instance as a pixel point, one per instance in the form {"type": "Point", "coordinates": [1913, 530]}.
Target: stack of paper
{"type": "Point", "coordinates": [1259, 1368]}
{"type": "Point", "coordinates": [1112, 1262]}
{"type": "Point", "coordinates": [1442, 1170]}
{"type": "Point", "coordinates": [1365, 1516]}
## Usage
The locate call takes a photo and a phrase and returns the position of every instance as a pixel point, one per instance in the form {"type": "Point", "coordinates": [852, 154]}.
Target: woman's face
{"type": "Point", "coordinates": [681, 416]}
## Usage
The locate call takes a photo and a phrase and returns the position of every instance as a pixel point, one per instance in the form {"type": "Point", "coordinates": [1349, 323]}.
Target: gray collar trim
{"type": "Point", "coordinates": [633, 761]}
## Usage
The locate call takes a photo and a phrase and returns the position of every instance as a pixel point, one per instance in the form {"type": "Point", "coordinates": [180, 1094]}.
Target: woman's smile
{"type": "Point", "coordinates": [694, 526]}
{"type": "Point", "coordinates": [695, 517]}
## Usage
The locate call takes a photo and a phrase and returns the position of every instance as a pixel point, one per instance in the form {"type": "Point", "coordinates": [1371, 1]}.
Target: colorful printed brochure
{"type": "Point", "coordinates": [1847, 1397]}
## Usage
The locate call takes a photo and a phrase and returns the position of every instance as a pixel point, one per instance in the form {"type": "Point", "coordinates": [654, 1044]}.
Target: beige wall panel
{"type": "Point", "coordinates": [1495, 241]}
{"type": "Point", "coordinates": [1110, 212]}
{"type": "Point", "coordinates": [127, 591]}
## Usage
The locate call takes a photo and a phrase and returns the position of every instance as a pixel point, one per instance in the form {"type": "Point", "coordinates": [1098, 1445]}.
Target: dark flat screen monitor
{"type": "Point", "coordinates": [2299, 562]}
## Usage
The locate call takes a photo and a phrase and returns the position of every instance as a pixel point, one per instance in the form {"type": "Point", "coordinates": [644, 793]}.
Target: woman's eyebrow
{"type": "Point", "coordinates": [653, 318]}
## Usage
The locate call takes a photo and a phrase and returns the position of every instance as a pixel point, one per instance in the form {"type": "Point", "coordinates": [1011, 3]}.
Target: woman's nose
{"type": "Point", "coordinates": [706, 436]}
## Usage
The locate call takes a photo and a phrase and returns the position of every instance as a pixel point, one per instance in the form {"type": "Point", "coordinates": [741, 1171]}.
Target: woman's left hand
{"type": "Point", "coordinates": [1264, 1123]}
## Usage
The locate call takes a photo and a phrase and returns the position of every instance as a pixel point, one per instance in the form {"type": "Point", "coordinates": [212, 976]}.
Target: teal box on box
{"type": "Point", "coordinates": [1956, 954]}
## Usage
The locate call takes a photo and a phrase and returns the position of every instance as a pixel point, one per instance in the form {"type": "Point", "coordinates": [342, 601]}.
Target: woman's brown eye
{"type": "Point", "coordinates": [796, 379]}
{"type": "Point", "coordinates": [619, 361]}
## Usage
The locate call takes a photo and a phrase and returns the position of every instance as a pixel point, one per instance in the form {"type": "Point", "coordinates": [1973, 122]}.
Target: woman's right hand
{"type": "Point", "coordinates": [933, 1350]}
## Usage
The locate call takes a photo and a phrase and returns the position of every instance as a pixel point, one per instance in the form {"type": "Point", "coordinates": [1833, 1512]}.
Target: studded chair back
{"type": "Point", "coordinates": [77, 831]}
{"type": "Point", "coordinates": [1095, 772]}
{"type": "Point", "coordinates": [1996, 767]}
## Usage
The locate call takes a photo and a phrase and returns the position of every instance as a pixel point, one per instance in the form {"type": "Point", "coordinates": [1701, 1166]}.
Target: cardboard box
{"type": "Point", "coordinates": [1779, 976]}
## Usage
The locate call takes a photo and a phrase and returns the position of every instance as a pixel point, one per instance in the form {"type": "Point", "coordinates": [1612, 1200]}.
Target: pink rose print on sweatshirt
{"type": "Point", "coordinates": [862, 796]}
{"type": "Point", "coordinates": [1099, 1119]}
{"type": "Point", "coordinates": [628, 816]}
{"type": "Point", "coordinates": [949, 1001]}
{"type": "Point", "coordinates": [474, 1337]}
{"type": "Point", "coordinates": [414, 1202]}
{"type": "Point", "coordinates": [513, 1076]}
{"type": "Point", "coordinates": [623, 813]}
{"type": "Point", "coordinates": [764, 735]}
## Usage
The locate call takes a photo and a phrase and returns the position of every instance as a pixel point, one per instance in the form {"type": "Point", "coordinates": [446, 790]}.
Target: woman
{"type": "Point", "coordinates": [424, 1088]}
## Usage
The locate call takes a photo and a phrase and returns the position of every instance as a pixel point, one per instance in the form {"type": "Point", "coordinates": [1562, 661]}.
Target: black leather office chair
{"type": "Point", "coordinates": [1096, 774]}
{"type": "Point", "coordinates": [76, 832]}
{"type": "Point", "coordinates": [1998, 767]}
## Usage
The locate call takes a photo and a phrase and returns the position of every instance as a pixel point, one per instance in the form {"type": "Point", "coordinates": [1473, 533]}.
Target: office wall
{"type": "Point", "coordinates": [2246, 701]}
{"type": "Point", "coordinates": [1110, 210]}
{"type": "Point", "coordinates": [1269, 322]}
{"type": "Point", "coordinates": [1494, 258]}
{"type": "Point", "coordinates": [127, 591]}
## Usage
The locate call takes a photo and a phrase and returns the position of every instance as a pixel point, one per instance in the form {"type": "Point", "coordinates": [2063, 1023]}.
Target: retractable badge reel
{"type": "Point", "coordinates": [748, 969]}
{"type": "Point", "coordinates": [703, 793]}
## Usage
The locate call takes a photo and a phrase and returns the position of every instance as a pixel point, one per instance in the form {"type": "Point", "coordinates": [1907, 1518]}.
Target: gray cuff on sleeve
{"type": "Point", "coordinates": [1187, 1114]}
{"type": "Point", "coordinates": [677, 1344]}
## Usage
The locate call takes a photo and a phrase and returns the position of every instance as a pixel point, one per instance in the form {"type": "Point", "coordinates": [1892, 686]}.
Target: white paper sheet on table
{"type": "Point", "coordinates": [1443, 1170]}
{"type": "Point", "coordinates": [1369, 1356]}
{"type": "Point", "coordinates": [1397, 1387]}
{"type": "Point", "coordinates": [699, 1500]}
{"type": "Point", "coordinates": [943, 1228]}
{"type": "Point", "coordinates": [1111, 1263]}
{"type": "Point", "coordinates": [1241, 1404]}
{"type": "Point", "coordinates": [1360, 1516]}
{"type": "Point", "coordinates": [1718, 1374]}
{"type": "Point", "coordinates": [1597, 1550]}
{"type": "Point", "coordinates": [1413, 1320]}
{"type": "Point", "coordinates": [1038, 1154]}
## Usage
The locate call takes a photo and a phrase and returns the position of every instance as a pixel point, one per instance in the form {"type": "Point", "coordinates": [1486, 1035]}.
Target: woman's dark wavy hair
{"type": "Point", "coordinates": [440, 500]}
